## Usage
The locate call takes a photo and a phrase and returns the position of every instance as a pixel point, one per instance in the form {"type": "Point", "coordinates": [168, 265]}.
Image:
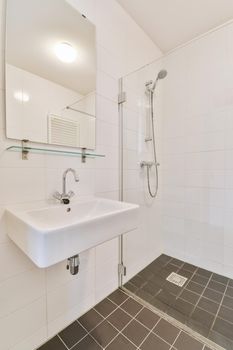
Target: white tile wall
{"type": "Point", "coordinates": [35, 304]}
{"type": "Point", "coordinates": [194, 133]}
{"type": "Point", "coordinates": [145, 244]}
{"type": "Point", "coordinates": [197, 152]}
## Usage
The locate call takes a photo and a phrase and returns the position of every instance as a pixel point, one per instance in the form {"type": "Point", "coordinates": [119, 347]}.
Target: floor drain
{"type": "Point", "coordinates": [176, 279]}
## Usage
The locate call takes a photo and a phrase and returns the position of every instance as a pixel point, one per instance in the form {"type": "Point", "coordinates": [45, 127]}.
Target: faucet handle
{"type": "Point", "coordinates": [70, 194]}
{"type": "Point", "coordinates": [57, 195]}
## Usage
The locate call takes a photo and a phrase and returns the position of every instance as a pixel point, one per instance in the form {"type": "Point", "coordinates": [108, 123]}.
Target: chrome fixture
{"type": "Point", "coordinates": [73, 264]}
{"type": "Point", "coordinates": [150, 89]}
{"type": "Point", "coordinates": [64, 197]}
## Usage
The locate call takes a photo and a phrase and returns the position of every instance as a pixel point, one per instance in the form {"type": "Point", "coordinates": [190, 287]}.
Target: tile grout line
{"type": "Point", "coordinates": [201, 295]}
{"type": "Point", "coordinates": [62, 341]}
{"type": "Point", "coordinates": [183, 288]}
{"type": "Point", "coordinates": [179, 333]}
{"type": "Point", "coordinates": [220, 305]}
{"type": "Point", "coordinates": [208, 279]}
{"type": "Point", "coordinates": [151, 331]}
{"type": "Point", "coordinates": [134, 318]}
{"type": "Point", "coordinates": [104, 318]}
{"type": "Point", "coordinates": [120, 332]}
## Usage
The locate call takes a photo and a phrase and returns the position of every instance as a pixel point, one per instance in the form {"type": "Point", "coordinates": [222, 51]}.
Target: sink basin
{"type": "Point", "coordinates": [49, 233]}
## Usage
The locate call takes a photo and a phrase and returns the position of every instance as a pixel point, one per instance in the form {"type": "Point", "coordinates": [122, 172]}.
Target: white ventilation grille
{"type": "Point", "coordinates": [63, 131]}
{"type": "Point", "coordinates": [176, 279]}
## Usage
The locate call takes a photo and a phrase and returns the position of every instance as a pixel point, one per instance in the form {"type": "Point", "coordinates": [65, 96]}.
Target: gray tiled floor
{"type": "Point", "coordinates": [204, 303]}
{"type": "Point", "coordinates": [121, 323]}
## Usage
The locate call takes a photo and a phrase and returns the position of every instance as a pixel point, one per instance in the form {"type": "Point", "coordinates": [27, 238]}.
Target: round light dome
{"type": "Point", "coordinates": [65, 52]}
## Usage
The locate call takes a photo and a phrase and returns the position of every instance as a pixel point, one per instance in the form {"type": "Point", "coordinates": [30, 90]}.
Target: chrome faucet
{"type": "Point", "coordinates": [64, 197]}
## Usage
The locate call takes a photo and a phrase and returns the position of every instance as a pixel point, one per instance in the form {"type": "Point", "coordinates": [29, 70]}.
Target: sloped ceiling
{"type": "Point", "coordinates": [170, 23]}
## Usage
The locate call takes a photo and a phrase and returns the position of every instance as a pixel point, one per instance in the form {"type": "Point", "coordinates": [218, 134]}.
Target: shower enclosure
{"type": "Point", "coordinates": [177, 164]}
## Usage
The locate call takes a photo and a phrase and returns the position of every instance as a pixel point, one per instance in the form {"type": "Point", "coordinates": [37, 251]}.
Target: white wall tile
{"type": "Point", "coordinates": [21, 290]}
{"type": "Point", "coordinates": [21, 324]}
{"type": "Point", "coordinates": [24, 324]}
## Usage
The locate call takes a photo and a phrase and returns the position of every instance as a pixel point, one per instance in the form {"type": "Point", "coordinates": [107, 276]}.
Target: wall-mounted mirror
{"type": "Point", "coordinates": [50, 73]}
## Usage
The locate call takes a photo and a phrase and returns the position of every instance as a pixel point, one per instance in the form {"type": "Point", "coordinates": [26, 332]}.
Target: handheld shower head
{"type": "Point", "coordinates": [161, 75]}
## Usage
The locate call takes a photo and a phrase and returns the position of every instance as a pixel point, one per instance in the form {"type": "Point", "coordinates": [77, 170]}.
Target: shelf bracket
{"type": "Point", "coordinates": [25, 150]}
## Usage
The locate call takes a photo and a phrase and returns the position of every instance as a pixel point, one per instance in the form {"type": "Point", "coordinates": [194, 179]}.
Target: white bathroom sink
{"type": "Point", "coordinates": [49, 233]}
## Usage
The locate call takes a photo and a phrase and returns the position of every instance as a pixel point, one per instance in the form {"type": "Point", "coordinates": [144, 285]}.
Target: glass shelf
{"type": "Point", "coordinates": [26, 149]}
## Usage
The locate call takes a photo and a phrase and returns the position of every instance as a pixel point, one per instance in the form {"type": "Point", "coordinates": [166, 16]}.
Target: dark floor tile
{"type": "Point", "coordinates": [154, 267]}
{"type": "Point", "coordinates": [90, 320]}
{"type": "Point", "coordinates": [166, 331]}
{"type": "Point", "coordinates": [172, 288]}
{"type": "Point", "coordinates": [131, 306]}
{"type": "Point", "coordinates": [227, 301]}
{"type": "Point", "coordinates": [223, 327]}
{"type": "Point", "coordinates": [203, 318]}
{"type": "Point", "coordinates": [213, 295]}
{"type": "Point", "coordinates": [220, 278]}
{"type": "Point", "coordinates": [198, 327]}
{"type": "Point", "coordinates": [119, 319]}
{"type": "Point", "coordinates": [177, 315]}
{"type": "Point", "coordinates": [189, 267]}
{"type": "Point", "coordinates": [148, 318]}
{"type": "Point", "coordinates": [190, 296]}
{"type": "Point", "coordinates": [226, 314]}
{"type": "Point", "coordinates": [153, 342]}
{"type": "Point", "coordinates": [219, 339]}
{"type": "Point", "coordinates": [166, 298]}
{"type": "Point", "coordinates": [229, 292]}
{"type": "Point", "coordinates": [176, 262]}
{"type": "Point", "coordinates": [230, 283]}
{"type": "Point", "coordinates": [104, 333]}
{"type": "Point", "coordinates": [185, 273]}
{"type": "Point", "coordinates": [158, 281]}
{"type": "Point", "coordinates": [105, 307]}
{"type": "Point", "coordinates": [53, 344]}
{"type": "Point", "coordinates": [208, 305]}
{"type": "Point", "coordinates": [144, 295]}
{"type": "Point", "coordinates": [72, 334]}
{"type": "Point", "coordinates": [151, 288]}
{"type": "Point", "coordinates": [163, 259]}
{"type": "Point", "coordinates": [135, 332]}
{"type": "Point", "coordinates": [129, 286]}
{"type": "Point", "coordinates": [118, 297]}
{"type": "Point", "coordinates": [204, 273]}
{"type": "Point", "coordinates": [183, 307]}
{"type": "Point", "coordinates": [194, 287]}
{"type": "Point", "coordinates": [218, 287]}
{"type": "Point", "coordinates": [146, 274]}
{"type": "Point", "coordinates": [160, 305]}
{"type": "Point", "coordinates": [121, 343]}
{"type": "Point", "coordinates": [166, 271]}
{"type": "Point", "coordinates": [185, 342]}
{"type": "Point", "coordinates": [137, 281]}
{"type": "Point", "coordinates": [200, 280]}
{"type": "Point", "coordinates": [87, 343]}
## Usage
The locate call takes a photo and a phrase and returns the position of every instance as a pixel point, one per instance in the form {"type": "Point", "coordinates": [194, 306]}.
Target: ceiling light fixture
{"type": "Point", "coordinates": [65, 52]}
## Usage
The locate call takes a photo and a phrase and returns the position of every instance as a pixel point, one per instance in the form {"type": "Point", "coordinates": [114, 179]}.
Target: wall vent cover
{"type": "Point", "coordinates": [176, 279]}
{"type": "Point", "coordinates": [63, 131]}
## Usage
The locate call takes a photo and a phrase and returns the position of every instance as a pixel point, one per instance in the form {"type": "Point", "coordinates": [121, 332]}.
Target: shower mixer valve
{"type": "Point", "coordinates": [148, 163]}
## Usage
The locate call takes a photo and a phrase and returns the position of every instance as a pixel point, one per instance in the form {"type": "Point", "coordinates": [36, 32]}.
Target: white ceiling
{"type": "Point", "coordinates": [170, 23]}
{"type": "Point", "coordinates": [34, 28]}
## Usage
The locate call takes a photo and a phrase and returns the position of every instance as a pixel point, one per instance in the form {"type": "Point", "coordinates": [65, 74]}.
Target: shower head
{"type": "Point", "coordinates": [161, 75]}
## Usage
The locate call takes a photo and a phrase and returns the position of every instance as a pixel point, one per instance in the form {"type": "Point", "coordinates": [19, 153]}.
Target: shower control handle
{"type": "Point", "coordinates": [148, 163]}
